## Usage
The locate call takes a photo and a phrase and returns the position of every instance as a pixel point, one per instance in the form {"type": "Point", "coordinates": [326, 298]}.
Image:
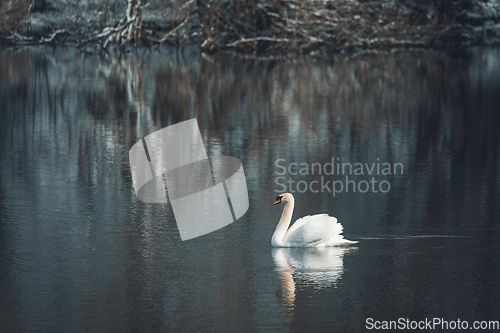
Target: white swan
{"type": "Point", "coordinates": [309, 231]}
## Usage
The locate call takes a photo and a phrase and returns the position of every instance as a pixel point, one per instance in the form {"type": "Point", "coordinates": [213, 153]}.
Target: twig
{"type": "Point", "coordinates": [257, 39]}
{"type": "Point", "coordinates": [182, 24]}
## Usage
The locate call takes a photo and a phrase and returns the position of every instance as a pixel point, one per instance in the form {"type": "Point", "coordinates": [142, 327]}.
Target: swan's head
{"type": "Point", "coordinates": [285, 197]}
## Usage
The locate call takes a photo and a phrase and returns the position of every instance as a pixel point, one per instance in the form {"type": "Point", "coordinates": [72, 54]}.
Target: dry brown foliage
{"type": "Point", "coordinates": [283, 26]}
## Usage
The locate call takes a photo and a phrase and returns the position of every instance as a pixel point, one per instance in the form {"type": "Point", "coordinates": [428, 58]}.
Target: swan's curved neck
{"type": "Point", "coordinates": [283, 224]}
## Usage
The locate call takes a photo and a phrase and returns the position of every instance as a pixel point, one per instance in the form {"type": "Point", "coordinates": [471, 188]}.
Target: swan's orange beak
{"type": "Point", "coordinates": [277, 202]}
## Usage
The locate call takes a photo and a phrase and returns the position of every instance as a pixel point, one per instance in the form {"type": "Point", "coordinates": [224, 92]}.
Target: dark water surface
{"type": "Point", "coordinates": [79, 252]}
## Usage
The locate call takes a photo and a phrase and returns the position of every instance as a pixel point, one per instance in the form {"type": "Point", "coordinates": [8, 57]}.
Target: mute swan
{"type": "Point", "coordinates": [309, 231]}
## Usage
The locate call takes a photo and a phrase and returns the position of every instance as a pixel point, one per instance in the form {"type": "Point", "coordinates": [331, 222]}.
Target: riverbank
{"type": "Point", "coordinates": [252, 27]}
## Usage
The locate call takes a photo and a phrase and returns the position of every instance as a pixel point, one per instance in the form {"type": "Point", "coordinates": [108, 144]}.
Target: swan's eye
{"type": "Point", "coordinates": [278, 198]}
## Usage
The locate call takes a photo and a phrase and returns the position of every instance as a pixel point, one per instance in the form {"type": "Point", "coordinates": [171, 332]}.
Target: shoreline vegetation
{"type": "Point", "coordinates": [250, 27]}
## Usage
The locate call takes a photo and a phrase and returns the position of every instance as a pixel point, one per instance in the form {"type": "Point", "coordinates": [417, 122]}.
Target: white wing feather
{"type": "Point", "coordinates": [315, 230]}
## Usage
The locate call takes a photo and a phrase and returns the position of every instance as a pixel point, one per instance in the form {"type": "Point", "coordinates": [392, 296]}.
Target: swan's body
{"type": "Point", "coordinates": [309, 231]}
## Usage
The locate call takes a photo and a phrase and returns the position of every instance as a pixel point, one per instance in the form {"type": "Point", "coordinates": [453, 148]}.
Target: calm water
{"type": "Point", "coordinates": [79, 252]}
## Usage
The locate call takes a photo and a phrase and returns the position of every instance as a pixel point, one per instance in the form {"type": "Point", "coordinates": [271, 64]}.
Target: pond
{"type": "Point", "coordinates": [401, 146]}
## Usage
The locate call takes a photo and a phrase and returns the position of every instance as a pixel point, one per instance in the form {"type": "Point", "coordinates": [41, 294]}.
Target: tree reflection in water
{"type": "Point", "coordinates": [72, 230]}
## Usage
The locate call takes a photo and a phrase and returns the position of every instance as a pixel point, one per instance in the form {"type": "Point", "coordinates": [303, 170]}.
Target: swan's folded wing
{"type": "Point", "coordinates": [312, 229]}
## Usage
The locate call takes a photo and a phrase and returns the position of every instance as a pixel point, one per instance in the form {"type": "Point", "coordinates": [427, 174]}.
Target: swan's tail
{"type": "Point", "coordinates": [348, 242]}
{"type": "Point", "coordinates": [335, 238]}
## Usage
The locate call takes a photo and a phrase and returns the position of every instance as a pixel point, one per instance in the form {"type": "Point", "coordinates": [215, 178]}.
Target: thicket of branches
{"type": "Point", "coordinates": [256, 26]}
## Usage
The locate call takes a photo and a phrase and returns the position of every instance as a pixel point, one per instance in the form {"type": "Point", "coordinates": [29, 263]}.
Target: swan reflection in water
{"type": "Point", "coordinates": [312, 267]}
